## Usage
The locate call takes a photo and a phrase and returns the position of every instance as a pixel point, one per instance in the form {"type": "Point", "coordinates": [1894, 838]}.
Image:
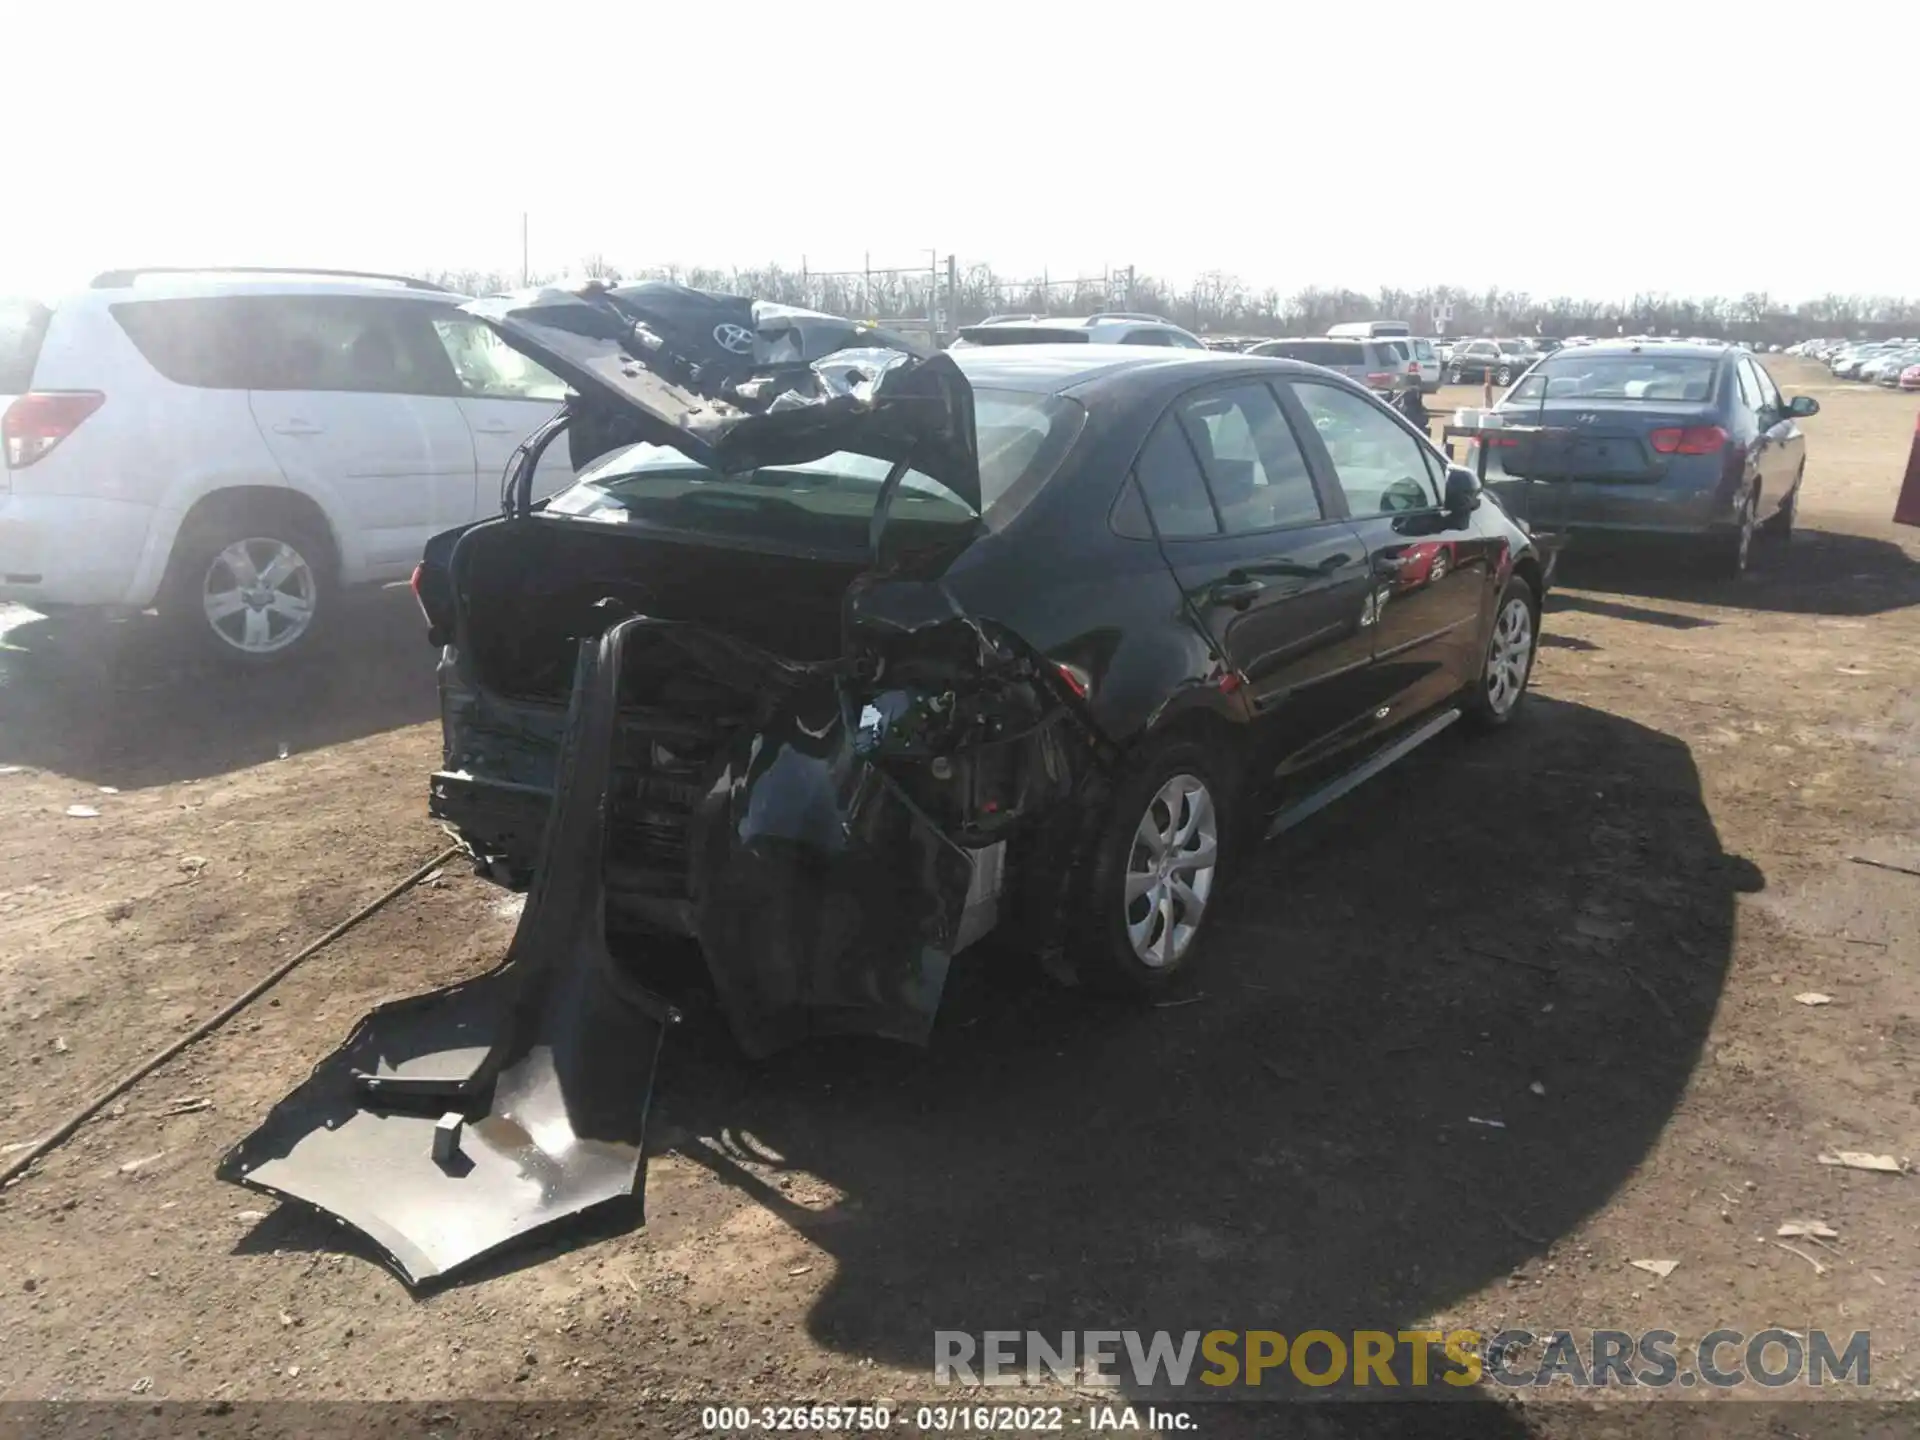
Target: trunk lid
{"type": "Point", "coordinates": [736, 384]}
{"type": "Point", "coordinates": [1592, 440]}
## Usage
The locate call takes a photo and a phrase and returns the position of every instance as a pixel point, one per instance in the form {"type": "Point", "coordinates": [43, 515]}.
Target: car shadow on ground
{"type": "Point", "coordinates": [1334, 1126]}
{"type": "Point", "coordinates": [119, 702]}
{"type": "Point", "coordinates": [1818, 572]}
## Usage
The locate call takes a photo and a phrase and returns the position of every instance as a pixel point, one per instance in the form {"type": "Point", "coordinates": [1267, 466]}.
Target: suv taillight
{"type": "Point", "coordinates": [41, 419]}
{"type": "Point", "coordinates": [1692, 440]}
{"type": "Point", "coordinates": [1380, 379]}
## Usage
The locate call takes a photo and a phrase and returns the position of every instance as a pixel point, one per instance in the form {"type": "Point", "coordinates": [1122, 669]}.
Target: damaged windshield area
{"type": "Point", "coordinates": [829, 502]}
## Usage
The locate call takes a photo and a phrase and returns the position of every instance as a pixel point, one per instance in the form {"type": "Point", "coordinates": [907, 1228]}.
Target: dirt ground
{"type": "Point", "coordinates": [1592, 928]}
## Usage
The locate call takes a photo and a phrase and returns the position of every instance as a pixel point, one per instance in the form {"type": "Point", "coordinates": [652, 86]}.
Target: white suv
{"type": "Point", "coordinates": [1120, 327]}
{"type": "Point", "coordinates": [232, 447]}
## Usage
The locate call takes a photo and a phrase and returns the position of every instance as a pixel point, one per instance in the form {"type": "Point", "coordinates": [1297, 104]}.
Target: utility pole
{"type": "Point", "coordinates": [526, 274]}
{"type": "Point", "coordinates": [953, 296]}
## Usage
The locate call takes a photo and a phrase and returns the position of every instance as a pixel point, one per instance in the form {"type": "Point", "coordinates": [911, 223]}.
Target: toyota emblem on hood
{"type": "Point", "coordinates": [736, 338]}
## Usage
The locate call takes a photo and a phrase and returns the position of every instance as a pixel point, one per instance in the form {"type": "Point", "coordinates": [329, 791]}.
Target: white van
{"type": "Point", "coordinates": [1370, 330]}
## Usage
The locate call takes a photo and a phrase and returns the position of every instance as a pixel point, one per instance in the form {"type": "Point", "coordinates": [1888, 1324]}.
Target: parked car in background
{"type": "Point", "coordinates": [234, 447]}
{"type": "Point", "coordinates": [1380, 365]}
{"type": "Point", "coordinates": [1370, 329]}
{"type": "Point", "coordinates": [1895, 365]}
{"type": "Point", "coordinates": [1143, 611]}
{"type": "Point", "coordinates": [1910, 377]}
{"type": "Point", "coordinates": [1654, 441]}
{"type": "Point", "coordinates": [1428, 359]}
{"type": "Point", "coordinates": [1108, 328]}
{"type": "Point", "coordinates": [1500, 361]}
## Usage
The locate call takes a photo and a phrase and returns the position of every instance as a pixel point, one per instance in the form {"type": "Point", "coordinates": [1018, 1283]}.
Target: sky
{"type": "Point", "coordinates": [1593, 150]}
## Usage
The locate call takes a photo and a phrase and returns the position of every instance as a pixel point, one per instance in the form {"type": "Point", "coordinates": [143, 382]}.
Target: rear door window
{"type": "Point", "coordinates": [291, 342]}
{"type": "Point", "coordinates": [326, 342]}
{"type": "Point", "coordinates": [23, 325]}
{"type": "Point", "coordinates": [1147, 337]}
{"type": "Point", "coordinates": [1170, 480]}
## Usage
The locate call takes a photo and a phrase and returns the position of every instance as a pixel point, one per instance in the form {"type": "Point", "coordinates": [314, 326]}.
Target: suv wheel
{"type": "Point", "coordinates": [249, 590]}
{"type": "Point", "coordinates": [1157, 870]}
{"type": "Point", "coordinates": [1503, 376]}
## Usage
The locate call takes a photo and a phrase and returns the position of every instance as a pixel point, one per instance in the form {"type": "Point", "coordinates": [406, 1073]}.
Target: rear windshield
{"type": "Point", "coordinates": [1314, 352]}
{"type": "Point", "coordinates": [1022, 335]}
{"type": "Point", "coordinates": [23, 324]}
{"type": "Point", "coordinates": [1580, 374]}
{"type": "Point", "coordinates": [1395, 350]}
{"type": "Point", "coordinates": [828, 502]}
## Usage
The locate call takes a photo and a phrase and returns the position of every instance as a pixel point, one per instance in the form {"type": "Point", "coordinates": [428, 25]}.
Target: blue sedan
{"type": "Point", "coordinates": [1654, 440]}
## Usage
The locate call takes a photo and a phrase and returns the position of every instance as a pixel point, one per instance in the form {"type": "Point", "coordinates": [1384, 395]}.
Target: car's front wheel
{"type": "Point", "coordinates": [1504, 375]}
{"type": "Point", "coordinates": [1156, 870]}
{"type": "Point", "coordinates": [1455, 375]}
{"type": "Point", "coordinates": [1495, 695]}
{"type": "Point", "coordinates": [249, 590]}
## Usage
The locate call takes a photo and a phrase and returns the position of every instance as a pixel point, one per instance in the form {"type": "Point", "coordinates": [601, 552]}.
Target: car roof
{"type": "Point", "coordinates": [1680, 349]}
{"type": "Point", "coordinates": [1057, 369]}
{"type": "Point", "coordinates": [116, 286]}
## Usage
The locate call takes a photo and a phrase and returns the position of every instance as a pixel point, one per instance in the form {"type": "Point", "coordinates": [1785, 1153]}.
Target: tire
{"type": "Point", "coordinates": [1455, 375]}
{"type": "Point", "coordinates": [1120, 945]}
{"type": "Point", "coordinates": [1728, 554]}
{"type": "Point", "coordinates": [1779, 525]}
{"type": "Point", "coordinates": [1504, 375]}
{"type": "Point", "coordinates": [271, 617]}
{"type": "Point", "coordinates": [1496, 694]}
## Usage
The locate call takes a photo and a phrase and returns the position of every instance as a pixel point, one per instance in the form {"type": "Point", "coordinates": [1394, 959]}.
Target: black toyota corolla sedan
{"type": "Point", "coordinates": [913, 647]}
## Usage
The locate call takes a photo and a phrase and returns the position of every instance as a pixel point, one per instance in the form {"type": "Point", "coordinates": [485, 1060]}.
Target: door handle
{"type": "Point", "coordinates": [1387, 566]}
{"type": "Point", "coordinates": [494, 429]}
{"type": "Point", "coordinates": [297, 427]}
{"type": "Point", "coordinates": [1237, 592]}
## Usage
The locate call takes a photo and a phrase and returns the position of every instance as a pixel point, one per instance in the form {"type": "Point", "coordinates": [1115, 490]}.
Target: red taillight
{"type": "Point", "coordinates": [1380, 377]}
{"type": "Point", "coordinates": [39, 420]}
{"type": "Point", "coordinates": [413, 584]}
{"type": "Point", "coordinates": [1692, 440]}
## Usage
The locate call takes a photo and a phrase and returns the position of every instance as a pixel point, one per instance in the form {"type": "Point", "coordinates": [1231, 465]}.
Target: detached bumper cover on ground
{"type": "Point", "coordinates": [549, 1060]}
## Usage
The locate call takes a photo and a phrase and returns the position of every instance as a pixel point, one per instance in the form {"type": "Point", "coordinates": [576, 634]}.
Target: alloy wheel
{"type": "Point", "coordinates": [1510, 655]}
{"type": "Point", "coordinates": [258, 595]}
{"type": "Point", "coordinates": [1170, 871]}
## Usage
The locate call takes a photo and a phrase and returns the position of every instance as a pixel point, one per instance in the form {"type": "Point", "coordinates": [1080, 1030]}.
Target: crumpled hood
{"type": "Point", "coordinates": [735, 383]}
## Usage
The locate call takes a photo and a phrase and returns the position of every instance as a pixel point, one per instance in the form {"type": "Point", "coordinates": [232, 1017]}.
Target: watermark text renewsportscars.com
{"type": "Point", "coordinates": [1392, 1359]}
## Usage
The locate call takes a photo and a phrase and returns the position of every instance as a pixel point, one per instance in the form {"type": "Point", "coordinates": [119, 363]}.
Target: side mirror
{"type": "Point", "coordinates": [1802, 406]}
{"type": "Point", "coordinates": [1463, 490]}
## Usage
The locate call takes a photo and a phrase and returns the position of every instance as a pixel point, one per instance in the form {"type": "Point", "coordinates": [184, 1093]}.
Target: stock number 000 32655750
{"type": "Point", "coordinates": [858, 1419]}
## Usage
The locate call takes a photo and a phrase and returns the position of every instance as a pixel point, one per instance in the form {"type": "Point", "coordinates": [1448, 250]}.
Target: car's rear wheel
{"type": "Point", "coordinates": [249, 589]}
{"type": "Point", "coordinates": [1507, 666]}
{"type": "Point", "coordinates": [1455, 375]}
{"type": "Point", "coordinates": [1504, 375]}
{"type": "Point", "coordinates": [1156, 870]}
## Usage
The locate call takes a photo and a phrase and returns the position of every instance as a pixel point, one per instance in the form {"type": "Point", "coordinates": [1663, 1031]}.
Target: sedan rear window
{"type": "Point", "coordinates": [1023, 437]}
{"type": "Point", "coordinates": [1584, 375]}
{"type": "Point", "coordinates": [23, 325]}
